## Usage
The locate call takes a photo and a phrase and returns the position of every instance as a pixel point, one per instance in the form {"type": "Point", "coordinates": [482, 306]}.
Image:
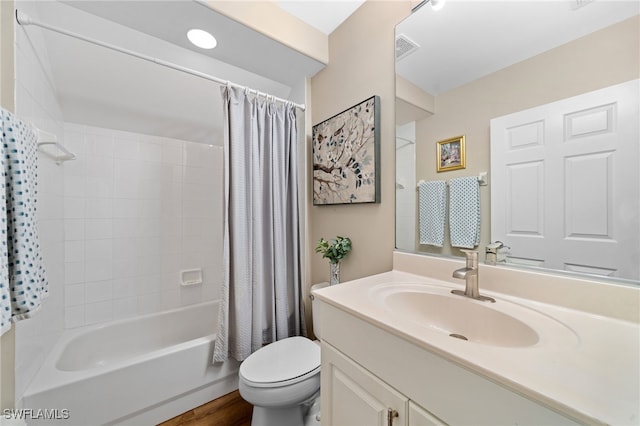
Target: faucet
{"type": "Point", "coordinates": [470, 274]}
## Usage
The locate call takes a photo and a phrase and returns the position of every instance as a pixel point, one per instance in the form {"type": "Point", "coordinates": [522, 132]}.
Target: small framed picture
{"type": "Point", "coordinates": [451, 154]}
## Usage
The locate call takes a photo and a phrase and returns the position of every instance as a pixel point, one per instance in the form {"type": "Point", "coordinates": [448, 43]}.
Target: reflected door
{"type": "Point", "coordinates": [565, 183]}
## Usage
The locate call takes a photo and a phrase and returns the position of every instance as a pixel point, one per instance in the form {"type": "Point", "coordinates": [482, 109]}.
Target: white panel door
{"type": "Point", "coordinates": [566, 184]}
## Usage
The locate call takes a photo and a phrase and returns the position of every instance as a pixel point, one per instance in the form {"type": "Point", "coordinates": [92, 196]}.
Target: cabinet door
{"type": "Point", "coordinates": [351, 396]}
{"type": "Point", "coordinates": [418, 416]}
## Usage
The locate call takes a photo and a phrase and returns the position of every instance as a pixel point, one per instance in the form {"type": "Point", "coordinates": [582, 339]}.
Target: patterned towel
{"type": "Point", "coordinates": [464, 212]}
{"type": "Point", "coordinates": [432, 200]}
{"type": "Point", "coordinates": [22, 279]}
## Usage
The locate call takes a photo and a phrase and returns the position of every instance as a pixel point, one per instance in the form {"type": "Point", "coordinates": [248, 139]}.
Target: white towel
{"type": "Point", "coordinates": [432, 201]}
{"type": "Point", "coordinates": [464, 212]}
{"type": "Point", "coordinates": [23, 284]}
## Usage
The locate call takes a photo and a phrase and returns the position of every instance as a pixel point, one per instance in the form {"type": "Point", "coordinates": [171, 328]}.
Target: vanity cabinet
{"type": "Point", "coordinates": [367, 370]}
{"type": "Point", "coordinates": [358, 397]}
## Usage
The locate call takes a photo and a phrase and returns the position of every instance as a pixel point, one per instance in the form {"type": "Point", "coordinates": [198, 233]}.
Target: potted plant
{"type": "Point", "coordinates": [334, 250]}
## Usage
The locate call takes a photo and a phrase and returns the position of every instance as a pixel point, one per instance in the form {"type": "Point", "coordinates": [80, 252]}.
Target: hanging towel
{"type": "Point", "coordinates": [432, 200]}
{"type": "Point", "coordinates": [464, 212]}
{"type": "Point", "coordinates": [22, 282]}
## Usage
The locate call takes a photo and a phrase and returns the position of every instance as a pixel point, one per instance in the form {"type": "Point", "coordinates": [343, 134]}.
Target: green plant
{"type": "Point", "coordinates": [334, 250]}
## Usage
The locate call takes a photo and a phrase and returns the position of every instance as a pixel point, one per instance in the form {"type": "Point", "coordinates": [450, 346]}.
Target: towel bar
{"type": "Point", "coordinates": [482, 180]}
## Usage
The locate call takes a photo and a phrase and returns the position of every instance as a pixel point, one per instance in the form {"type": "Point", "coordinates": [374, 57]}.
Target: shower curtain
{"type": "Point", "coordinates": [23, 284]}
{"type": "Point", "coordinates": [261, 291]}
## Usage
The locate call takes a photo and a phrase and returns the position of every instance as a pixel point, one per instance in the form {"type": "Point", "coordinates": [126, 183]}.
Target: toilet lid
{"type": "Point", "coordinates": [283, 362]}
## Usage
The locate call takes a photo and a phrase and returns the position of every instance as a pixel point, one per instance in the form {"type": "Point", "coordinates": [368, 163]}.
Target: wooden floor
{"type": "Point", "coordinates": [228, 410]}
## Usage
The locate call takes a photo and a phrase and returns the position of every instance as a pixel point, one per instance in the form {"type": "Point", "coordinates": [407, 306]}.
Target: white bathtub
{"type": "Point", "coordinates": [139, 371]}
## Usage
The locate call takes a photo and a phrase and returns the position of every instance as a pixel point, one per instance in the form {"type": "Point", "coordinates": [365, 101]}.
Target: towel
{"type": "Point", "coordinates": [464, 212]}
{"type": "Point", "coordinates": [432, 201]}
{"type": "Point", "coordinates": [22, 280]}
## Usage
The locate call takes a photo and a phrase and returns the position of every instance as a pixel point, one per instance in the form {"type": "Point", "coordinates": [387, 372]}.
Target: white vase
{"type": "Point", "coordinates": [334, 276]}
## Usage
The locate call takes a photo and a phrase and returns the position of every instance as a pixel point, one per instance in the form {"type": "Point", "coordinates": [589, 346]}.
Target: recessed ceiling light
{"type": "Point", "coordinates": [437, 4]}
{"type": "Point", "coordinates": [202, 39]}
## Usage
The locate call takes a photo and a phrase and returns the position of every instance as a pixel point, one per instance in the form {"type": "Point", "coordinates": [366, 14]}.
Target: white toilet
{"type": "Point", "coordinates": [282, 380]}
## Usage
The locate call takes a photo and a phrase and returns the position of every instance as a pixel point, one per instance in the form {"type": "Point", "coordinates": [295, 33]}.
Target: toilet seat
{"type": "Point", "coordinates": [282, 363]}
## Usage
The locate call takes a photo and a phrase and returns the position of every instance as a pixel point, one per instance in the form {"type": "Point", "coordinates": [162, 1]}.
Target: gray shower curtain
{"type": "Point", "coordinates": [261, 292]}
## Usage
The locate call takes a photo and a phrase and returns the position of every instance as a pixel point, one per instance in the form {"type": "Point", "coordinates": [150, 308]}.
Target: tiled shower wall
{"type": "Point", "coordinates": [36, 103]}
{"type": "Point", "coordinates": [138, 209]}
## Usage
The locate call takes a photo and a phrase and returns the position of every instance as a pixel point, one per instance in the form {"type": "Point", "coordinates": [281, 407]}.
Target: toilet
{"type": "Point", "coordinates": [282, 380]}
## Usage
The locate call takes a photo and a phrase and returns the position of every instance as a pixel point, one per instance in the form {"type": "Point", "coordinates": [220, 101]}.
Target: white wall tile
{"type": "Point", "coordinates": [125, 308]}
{"type": "Point", "coordinates": [98, 208]}
{"type": "Point", "coordinates": [74, 295]}
{"type": "Point", "coordinates": [170, 299]}
{"type": "Point", "coordinates": [149, 303]}
{"type": "Point", "coordinates": [74, 316]}
{"type": "Point", "coordinates": [98, 270]}
{"type": "Point", "coordinates": [74, 229]}
{"type": "Point", "coordinates": [74, 208]}
{"type": "Point", "coordinates": [125, 287]}
{"type": "Point", "coordinates": [95, 229]}
{"type": "Point", "coordinates": [98, 250]}
{"type": "Point", "coordinates": [98, 291]}
{"type": "Point", "coordinates": [132, 223]}
{"type": "Point", "coordinates": [98, 312]}
{"type": "Point", "coordinates": [73, 272]}
{"type": "Point", "coordinates": [74, 186]}
{"type": "Point", "coordinates": [74, 251]}
{"type": "Point", "coordinates": [172, 154]}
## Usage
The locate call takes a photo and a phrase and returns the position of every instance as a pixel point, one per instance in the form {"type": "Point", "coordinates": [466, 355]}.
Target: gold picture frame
{"type": "Point", "coordinates": [451, 154]}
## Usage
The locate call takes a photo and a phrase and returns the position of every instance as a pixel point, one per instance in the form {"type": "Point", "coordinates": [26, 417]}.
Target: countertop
{"type": "Point", "coordinates": [588, 368]}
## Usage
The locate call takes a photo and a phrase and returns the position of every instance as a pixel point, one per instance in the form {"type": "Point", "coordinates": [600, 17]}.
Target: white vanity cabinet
{"type": "Point", "coordinates": [358, 397]}
{"type": "Point", "coordinates": [368, 370]}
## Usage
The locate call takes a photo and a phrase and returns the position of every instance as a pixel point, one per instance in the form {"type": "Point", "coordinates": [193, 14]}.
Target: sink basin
{"type": "Point", "coordinates": [501, 324]}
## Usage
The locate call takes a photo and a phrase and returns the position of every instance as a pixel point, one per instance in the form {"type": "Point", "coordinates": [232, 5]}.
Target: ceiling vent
{"type": "Point", "coordinates": [577, 4]}
{"type": "Point", "coordinates": [405, 46]}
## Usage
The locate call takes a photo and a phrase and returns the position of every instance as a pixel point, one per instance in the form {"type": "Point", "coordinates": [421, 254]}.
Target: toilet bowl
{"type": "Point", "coordinates": [282, 380]}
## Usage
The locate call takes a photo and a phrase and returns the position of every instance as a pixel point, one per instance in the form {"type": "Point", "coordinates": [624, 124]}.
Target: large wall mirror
{"type": "Point", "coordinates": [546, 95]}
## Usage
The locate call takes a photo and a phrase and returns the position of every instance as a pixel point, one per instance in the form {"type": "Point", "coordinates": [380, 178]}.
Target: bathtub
{"type": "Point", "coordinates": [139, 371]}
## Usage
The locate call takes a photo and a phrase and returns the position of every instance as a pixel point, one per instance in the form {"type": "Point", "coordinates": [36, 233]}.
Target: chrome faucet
{"type": "Point", "coordinates": [470, 275]}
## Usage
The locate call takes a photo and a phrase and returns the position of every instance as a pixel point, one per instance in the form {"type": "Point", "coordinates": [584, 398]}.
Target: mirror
{"type": "Point", "coordinates": [471, 62]}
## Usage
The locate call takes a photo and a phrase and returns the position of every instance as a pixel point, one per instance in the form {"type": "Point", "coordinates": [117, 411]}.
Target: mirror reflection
{"type": "Point", "coordinates": [546, 96]}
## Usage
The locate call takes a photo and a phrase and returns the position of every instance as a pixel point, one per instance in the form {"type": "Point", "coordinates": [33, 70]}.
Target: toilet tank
{"type": "Point", "coordinates": [315, 309]}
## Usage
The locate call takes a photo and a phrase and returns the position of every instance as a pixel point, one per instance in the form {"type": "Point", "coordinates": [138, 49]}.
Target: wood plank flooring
{"type": "Point", "coordinates": [228, 410]}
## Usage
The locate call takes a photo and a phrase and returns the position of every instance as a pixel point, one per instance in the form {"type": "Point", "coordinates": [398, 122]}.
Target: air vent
{"type": "Point", "coordinates": [404, 46]}
{"type": "Point", "coordinates": [577, 4]}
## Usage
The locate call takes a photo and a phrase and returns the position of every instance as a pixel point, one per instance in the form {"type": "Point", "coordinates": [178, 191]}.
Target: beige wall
{"type": "Point", "coordinates": [604, 58]}
{"type": "Point", "coordinates": [361, 64]}
{"type": "Point", "coordinates": [7, 341]}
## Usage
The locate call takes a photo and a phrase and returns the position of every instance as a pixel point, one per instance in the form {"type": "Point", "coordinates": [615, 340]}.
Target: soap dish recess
{"type": "Point", "coordinates": [191, 277]}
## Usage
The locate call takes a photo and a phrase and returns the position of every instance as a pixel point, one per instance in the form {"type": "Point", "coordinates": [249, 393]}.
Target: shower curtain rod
{"type": "Point", "coordinates": [24, 19]}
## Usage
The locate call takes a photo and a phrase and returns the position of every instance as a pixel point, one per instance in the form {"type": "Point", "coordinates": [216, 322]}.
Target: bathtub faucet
{"type": "Point", "coordinates": [470, 274]}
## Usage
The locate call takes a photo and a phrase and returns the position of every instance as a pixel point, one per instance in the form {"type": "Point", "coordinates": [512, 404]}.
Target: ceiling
{"type": "Point", "coordinates": [104, 88]}
{"type": "Point", "coordinates": [468, 39]}
{"type": "Point", "coordinates": [325, 15]}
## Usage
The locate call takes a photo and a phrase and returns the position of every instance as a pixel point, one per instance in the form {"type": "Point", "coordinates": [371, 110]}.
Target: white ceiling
{"type": "Point", "coordinates": [100, 87]}
{"type": "Point", "coordinates": [468, 39]}
{"type": "Point", "coordinates": [325, 15]}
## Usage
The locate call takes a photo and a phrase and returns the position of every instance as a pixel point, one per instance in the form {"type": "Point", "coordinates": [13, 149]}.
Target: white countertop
{"type": "Point", "coordinates": [592, 373]}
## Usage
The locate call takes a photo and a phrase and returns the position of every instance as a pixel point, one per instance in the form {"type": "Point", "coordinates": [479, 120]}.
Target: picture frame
{"type": "Point", "coordinates": [451, 154]}
{"type": "Point", "coordinates": [346, 156]}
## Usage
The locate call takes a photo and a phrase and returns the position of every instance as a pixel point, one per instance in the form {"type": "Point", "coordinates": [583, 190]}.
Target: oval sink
{"type": "Point", "coordinates": [502, 323]}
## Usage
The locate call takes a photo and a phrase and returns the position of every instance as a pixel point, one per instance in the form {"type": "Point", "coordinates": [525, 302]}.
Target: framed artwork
{"type": "Point", "coordinates": [451, 154]}
{"type": "Point", "coordinates": [346, 156]}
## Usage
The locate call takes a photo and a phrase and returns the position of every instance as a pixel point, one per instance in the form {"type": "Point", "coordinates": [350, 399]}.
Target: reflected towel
{"type": "Point", "coordinates": [432, 202]}
{"type": "Point", "coordinates": [464, 212]}
{"type": "Point", "coordinates": [22, 283]}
